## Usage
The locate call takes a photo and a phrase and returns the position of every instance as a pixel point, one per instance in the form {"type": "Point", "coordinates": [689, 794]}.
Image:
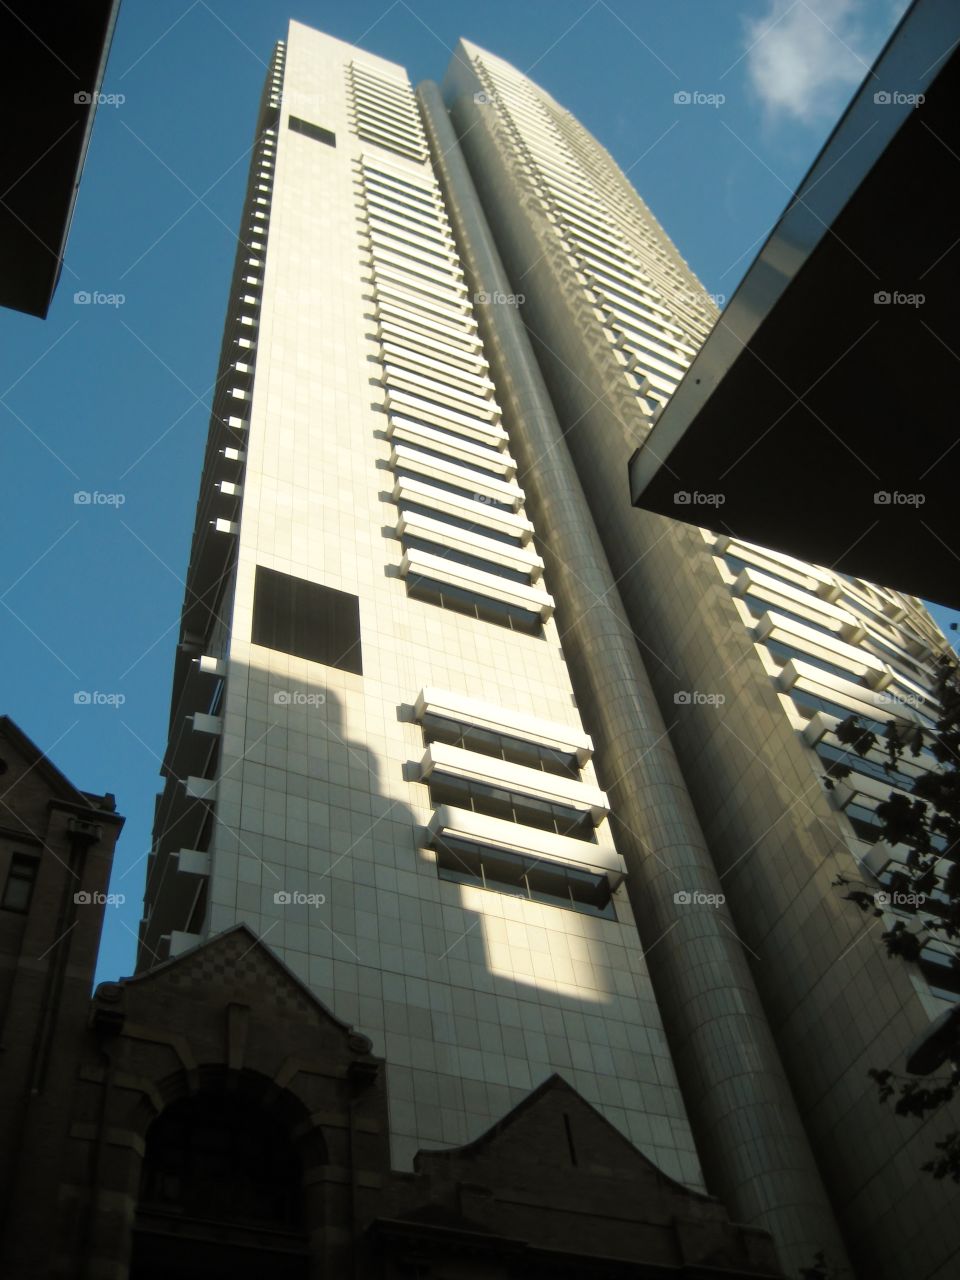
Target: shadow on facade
{"type": "Point", "coordinates": [470, 1003]}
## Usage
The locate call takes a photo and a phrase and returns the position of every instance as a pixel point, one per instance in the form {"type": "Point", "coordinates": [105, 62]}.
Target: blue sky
{"type": "Point", "coordinates": [112, 398]}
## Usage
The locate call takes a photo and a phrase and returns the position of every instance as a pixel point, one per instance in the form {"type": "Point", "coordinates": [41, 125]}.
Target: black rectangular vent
{"type": "Point", "coordinates": [307, 620]}
{"type": "Point", "coordinates": [312, 131]}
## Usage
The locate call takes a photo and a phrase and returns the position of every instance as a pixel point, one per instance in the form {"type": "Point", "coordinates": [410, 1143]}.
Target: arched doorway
{"type": "Point", "coordinates": [220, 1194]}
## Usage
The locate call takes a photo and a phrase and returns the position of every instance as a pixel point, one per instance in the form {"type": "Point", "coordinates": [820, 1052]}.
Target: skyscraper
{"type": "Point", "coordinates": [376, 759]}
{"type": "Point", "coordinates": [382, 737]}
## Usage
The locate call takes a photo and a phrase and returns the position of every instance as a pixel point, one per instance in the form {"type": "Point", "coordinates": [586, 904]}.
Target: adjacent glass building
{"type": "Point", "coordinates": [521, 780]}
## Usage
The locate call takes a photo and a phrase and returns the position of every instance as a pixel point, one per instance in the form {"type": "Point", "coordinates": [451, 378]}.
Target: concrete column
{"type": "Point", "coordinates": [751, 1140]}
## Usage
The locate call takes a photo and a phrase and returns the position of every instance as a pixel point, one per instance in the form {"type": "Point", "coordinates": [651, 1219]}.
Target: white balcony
{"type": "Point", "coordinates": [477, 767]}
{"type": "Point", "coordinates": [425, 494]}
{"type": "Point", "coordinates": [403, 431]}
{"type": "Point", "coordinates": [466, 578]}
{"type": "Point", "coordinates": [521, 559]}
{"type": "Point", "coordinates": [451, 823]}
{"type": "Point", "coordinates": [567, 739]}
{"type": "Point", "coordinates": [427, 465]}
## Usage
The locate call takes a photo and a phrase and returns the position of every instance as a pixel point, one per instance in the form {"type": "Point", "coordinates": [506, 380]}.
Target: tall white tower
{"type": "Point", "coordinates": [376, 759]}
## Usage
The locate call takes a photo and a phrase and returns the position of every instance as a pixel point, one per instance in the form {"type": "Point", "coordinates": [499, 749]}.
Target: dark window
{"type": "Point", "coordinates": [307, 620]}
{"type": "Point", "coordinates": [471, 738]}
{"type": "Point", "coordinates": [536, 879]}
{"type": "Point", "coordinates": [813, 702]}
{"type": "Point", "coordinates": [759, 607]}
{"type": "Point", "coordinates": [830, 754]}
{"type": "Point", "coordinates": [220, 1160]}
{"type": "Point", "coordinates": [512, 806]}
{"type": "Point", "coordinates": [942, 974]}
{"type": "Point", "coordinates": [312, 131]}
{"type": "Point", "coordinates": [483, 608]}
{"type": "Point", "coordinates": [462, 557]}
{"type": "Point", "coordinates": [470, 526]}
{"type": "Point", "coordinates": [391, 180]}
{"type": "Point", "coordinates": [20, 881]}
{"type": "Point", "coordinates": [784, 652]}
{"type": "Point", "coordinates": [482, 466]}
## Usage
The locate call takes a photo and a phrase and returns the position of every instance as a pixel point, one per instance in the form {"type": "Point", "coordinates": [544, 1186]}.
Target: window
{"type": "Point", "coordinates": [811, 703]}
{"type": "Point", "coordinates": [402, 473]}
{"type": "Point", "coordinates": [540, 881]}
{"type": "Point", "coordinates": [830, 754]}
{"type": "Point", "coordinates": [469, 526]}
{"type": "Point", "coordinates": [483, 465]}
{"type": "Point", "coordinates": [21, 878]}
{"type": "Point", "coordinates": [440, 549]}
{"type": "Point", "coordinates": [511, 806]}
{"type": "Point", "coordinates": [759, 607]}
{"type": "Point", "coordinates": [307, 620]}
{"type": "Point", "coordinates": [483, 608]}
{"type": "Point", "coordinates": [532, 754]}
{"type": "Point", "coordinates": [785, 653]}
{"type": "Point", "coordinates": [312, 131]}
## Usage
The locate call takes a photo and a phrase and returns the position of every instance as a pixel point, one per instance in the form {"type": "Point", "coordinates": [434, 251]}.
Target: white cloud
{"type": "Point", "coordinates": [805, 57]}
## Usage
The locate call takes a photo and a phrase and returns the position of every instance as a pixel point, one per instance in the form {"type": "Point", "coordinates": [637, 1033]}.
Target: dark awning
{"type": "Point", "coordinates": [55, 53]}
{"type": "Point", "coordinates": [820, 416]}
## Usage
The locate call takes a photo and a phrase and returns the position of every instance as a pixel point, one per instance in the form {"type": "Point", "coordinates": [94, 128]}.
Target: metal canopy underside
{"type": "Point", "coordinates": [818, 419]}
